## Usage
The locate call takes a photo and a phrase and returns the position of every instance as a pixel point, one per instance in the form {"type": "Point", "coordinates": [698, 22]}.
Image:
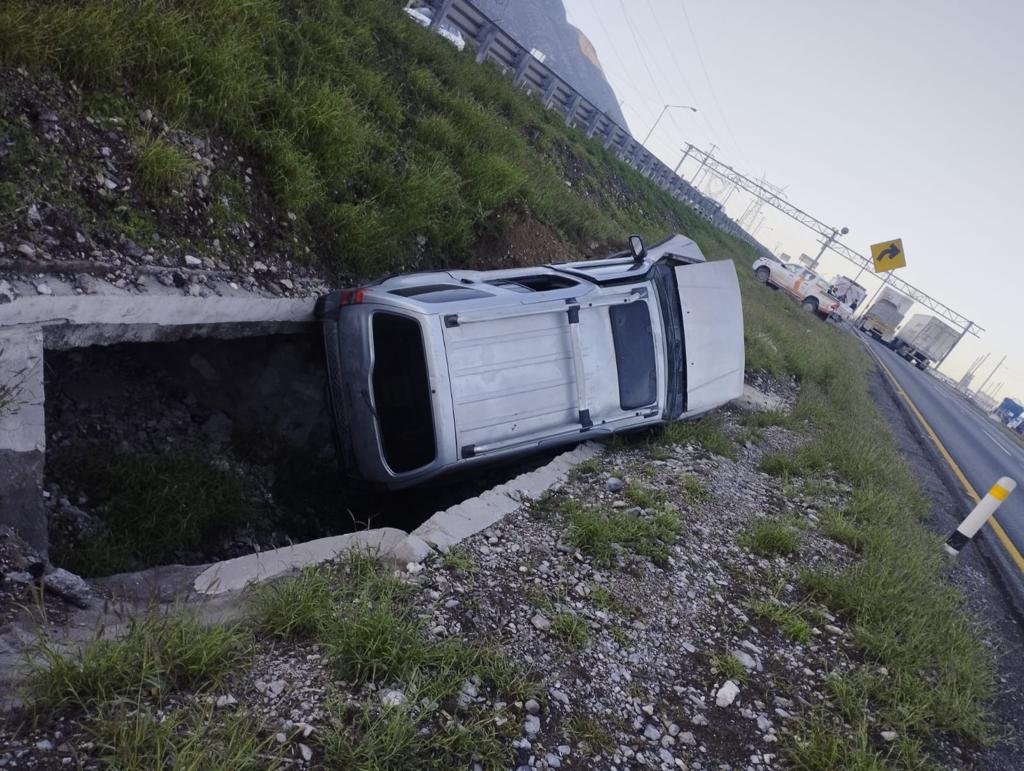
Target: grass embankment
{"type": "Point", "coordinates": [379, 138]}
{"type": "Point", "coordinates": [926, 673]}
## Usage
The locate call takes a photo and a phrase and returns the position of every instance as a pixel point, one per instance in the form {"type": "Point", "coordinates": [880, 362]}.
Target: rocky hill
{"type": "Point", "coordinates": [542, 24]}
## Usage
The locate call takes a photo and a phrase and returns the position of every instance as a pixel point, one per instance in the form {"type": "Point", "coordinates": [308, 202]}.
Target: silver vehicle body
{"type": "Point", "coordinates": [432, 372]}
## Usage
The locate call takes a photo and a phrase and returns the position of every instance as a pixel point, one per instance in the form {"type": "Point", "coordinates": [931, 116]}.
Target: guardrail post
{"type": "Point", "coordinates": [594, 122]}
{"type": "Point", "coordinates": [484, 43]}
{"type": "Point", "coordinates": [549, 89]}
{"type": "Point", "coordinates": [521, 65]}
{"type": "Point", "coordinates": [570, 113]}
{"type": "Point", "coordinates": [441, 14]}
{"type": "Point", "coordinates": [986, 507]}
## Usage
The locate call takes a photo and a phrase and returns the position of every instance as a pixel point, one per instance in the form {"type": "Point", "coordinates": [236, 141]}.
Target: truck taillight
{"type": "Point", "coordinates": [350, 297]}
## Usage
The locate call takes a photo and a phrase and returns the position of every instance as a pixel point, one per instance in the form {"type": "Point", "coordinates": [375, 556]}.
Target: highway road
{"type": "Point", "coordinates": [978, 449]}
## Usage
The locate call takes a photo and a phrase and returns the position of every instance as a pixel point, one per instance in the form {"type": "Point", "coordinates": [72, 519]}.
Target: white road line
{"type": "Point", "coordinates": [995, 441]}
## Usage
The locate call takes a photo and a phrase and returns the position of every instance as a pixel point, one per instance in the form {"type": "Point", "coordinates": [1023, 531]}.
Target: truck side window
{"type": "Point", "coordinates": [634, 354]}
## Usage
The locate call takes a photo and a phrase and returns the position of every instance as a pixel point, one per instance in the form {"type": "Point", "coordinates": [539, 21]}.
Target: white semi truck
{"type": "Point", "coordinates": [885, 314]}
{"type": "Point", "coordinates": [924, 340]}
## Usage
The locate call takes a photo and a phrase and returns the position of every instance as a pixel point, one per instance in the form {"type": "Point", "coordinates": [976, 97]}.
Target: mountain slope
{"type": "Point", "coordinates": [542, 24]}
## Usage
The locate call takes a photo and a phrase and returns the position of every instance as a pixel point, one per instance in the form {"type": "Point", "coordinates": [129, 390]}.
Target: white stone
{"type": "Point", "coordinates": [541, 622]}
{"type": "Point", "coordinates": [192, 261]}
{"type": "Point", "coordinates": [727, 694]}
{"type": "Point", "coordinates": [531, 725]}
{"type": "Point", "coordinates": [890, 736]}
{"type": "Point", "coordinates": [392, 698]}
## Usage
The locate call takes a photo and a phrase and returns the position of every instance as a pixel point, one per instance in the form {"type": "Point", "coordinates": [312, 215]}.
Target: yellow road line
{"type": "Point", "coordinates": [1004, 539]}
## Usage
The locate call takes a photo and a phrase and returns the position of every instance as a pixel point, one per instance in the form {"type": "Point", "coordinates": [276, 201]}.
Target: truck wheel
{"type": "Point", "coordinates": [763, 273]}
{"type": "Point", "coordinates": [810, 305]}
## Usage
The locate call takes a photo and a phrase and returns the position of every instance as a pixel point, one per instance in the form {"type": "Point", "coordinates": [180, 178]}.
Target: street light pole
{"type": "Point", "coordinates": [662, 115]}
{"type": "Point", "coordinates": [828, 242]}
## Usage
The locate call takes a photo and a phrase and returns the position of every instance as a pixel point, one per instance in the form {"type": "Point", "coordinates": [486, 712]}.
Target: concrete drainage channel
{"type": "Point", "coordinates": [237, 383]}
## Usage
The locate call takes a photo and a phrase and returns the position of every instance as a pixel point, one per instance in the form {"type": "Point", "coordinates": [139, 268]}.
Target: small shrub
{"type": "Point", "coordinates": [694, 490]}
{"type": "Point", "coordinates": [459, 559]}
{"type": "Point", "coordinates": [570, 629]}
{"type": "Point", "coordinates": [585, 730]}
{"type": "Point", "coordinates": [728, 666]}
{"type": "Point", "coordinates": [295, 608]}
{"type": "Point", "coordinates": [601, 535]}
{"type": "Point", "coordinates": [606, 600]}
{"type": "Point", "coordinates": [588, 467]}
{"type": "Point", "coordinates": [644, 497]}
{"type": "Point", "coordinates": [160, 167]}
{"type": "Point", "coordinates": [708, 432]}
{"type": "Point", "coordinates": [771, 537]}
{"type": "Point", "coordinates": [787, 619]}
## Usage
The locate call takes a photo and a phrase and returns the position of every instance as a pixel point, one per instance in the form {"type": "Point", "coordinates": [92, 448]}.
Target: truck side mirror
{"type": "Point", "coordinates": [637, 248]}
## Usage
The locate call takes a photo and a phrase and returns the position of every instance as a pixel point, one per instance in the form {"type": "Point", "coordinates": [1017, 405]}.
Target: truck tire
{"type": "Point", "coordinates": [810, 305]}
{"type": "Point", "coordinates": [763, 274]}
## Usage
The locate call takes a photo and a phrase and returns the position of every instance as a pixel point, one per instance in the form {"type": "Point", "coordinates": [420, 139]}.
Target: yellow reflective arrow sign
{"type": "Point", "coordinates": [888, 255]}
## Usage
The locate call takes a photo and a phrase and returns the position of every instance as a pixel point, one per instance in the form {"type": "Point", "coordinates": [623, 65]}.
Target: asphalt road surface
{"type": "Point", "coordinates": [976, 444]}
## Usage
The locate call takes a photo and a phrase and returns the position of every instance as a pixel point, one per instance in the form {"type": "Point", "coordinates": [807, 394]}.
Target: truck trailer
{"type": "Point", "coordinates": [924, 340]}
{"type": "Point", "coordinates": [885, 314]}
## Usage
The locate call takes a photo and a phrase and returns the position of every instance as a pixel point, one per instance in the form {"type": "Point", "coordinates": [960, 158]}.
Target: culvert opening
{"type": "Point", "coordinates": [200, 450]}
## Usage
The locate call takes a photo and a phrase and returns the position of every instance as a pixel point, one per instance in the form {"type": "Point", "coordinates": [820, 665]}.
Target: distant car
{"type": "Point", "coordinates": [809, 289]}
{"type": "Point", "coordinates": [424, 16]}
{"type": "Point", "coordinates": [432, 372]}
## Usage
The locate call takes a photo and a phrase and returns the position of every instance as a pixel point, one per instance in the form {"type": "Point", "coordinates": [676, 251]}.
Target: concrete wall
{"type": "Point", "coordinates": [31, 325]}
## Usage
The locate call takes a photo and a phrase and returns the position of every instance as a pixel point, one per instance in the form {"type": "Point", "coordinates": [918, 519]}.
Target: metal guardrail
{"type": "Point", "coordinates": [495, 45]}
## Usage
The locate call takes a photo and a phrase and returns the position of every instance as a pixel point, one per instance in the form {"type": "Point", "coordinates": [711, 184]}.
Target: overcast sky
{"type": "Point", "coordinates": [895, 119]}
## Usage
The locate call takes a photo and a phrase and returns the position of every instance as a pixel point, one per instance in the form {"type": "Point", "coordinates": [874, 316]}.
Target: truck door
{"type": "Point", "coordinates": [709, 297]}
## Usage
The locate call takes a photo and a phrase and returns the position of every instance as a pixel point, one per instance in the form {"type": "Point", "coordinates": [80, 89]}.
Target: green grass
{"type": "Point", "coordinates": [160, 167]}
{"type": "Point", "coordinates": [587, 731]}
{"type": "Point", "coordinates": [642, 496]}
{"type": "Point", "coordinates": [837, 527]}
{"type": "Point", "coordinates": [708, 432]}
{"type": "Point", "coordinates": [571, 630]}
{"type": "Point", "coordinates": [787, 617]}
{"type": "Point", "coordinates": [728, 666]}
{"type": "Point", "coordinates": [460, 560]}
{"type": "Point", "coordinates": [587, 468]}
{"type": "Point", "coordinates": [605, 599]}
{"type": "Point", "coordinates": [188, 739]}
{"type": "Point", "coordinates": [158, 655]}
{"type": "Point", "coordinates": [154, 508]}
{"type": "Point", "coordinates": [771, 538]}
{"type": "Point", "coordinates": [372, 131]}
{"type": "Point", "coordinates": [360, 615]}
{"type": "Point", "coordinates": [694, 491]}
{"type": "Point", "coordinates": [603, 535]}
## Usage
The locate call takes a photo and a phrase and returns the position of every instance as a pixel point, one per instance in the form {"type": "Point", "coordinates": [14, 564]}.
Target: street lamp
{"type": "Point", "coordinates": [828, 242]}
{"type": "Point", "coordinates": [662, 114]}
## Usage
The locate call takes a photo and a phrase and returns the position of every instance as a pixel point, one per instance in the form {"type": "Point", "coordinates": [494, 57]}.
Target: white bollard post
{"type": "Point", "coordinates": [966, 530]}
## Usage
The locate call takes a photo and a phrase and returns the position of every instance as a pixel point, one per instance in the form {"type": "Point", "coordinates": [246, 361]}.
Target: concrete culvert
{"type": "Point", "coordinates": [200, 450]}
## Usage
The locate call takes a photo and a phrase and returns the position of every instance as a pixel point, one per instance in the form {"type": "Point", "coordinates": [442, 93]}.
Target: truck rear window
{"type": "Point", "coordinates": [401, 392]}
{"type": "Point", "coordinates": [634, 354]}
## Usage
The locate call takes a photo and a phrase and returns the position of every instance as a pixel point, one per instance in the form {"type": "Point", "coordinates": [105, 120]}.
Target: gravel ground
{"type": "Point", "coordinates": [648, 641]}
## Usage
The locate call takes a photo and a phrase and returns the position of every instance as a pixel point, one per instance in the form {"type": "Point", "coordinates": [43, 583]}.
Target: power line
{"type": "Point", "coordinates": [643, 59]}
{"type": "Point", "coordinates": [681, 68]}
{"type": "Point", "coordinates": [707, 77]}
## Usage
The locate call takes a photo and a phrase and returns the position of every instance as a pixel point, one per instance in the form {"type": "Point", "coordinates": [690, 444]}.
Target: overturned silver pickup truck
{"type": "Point", "coordinates": [433, 372]}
